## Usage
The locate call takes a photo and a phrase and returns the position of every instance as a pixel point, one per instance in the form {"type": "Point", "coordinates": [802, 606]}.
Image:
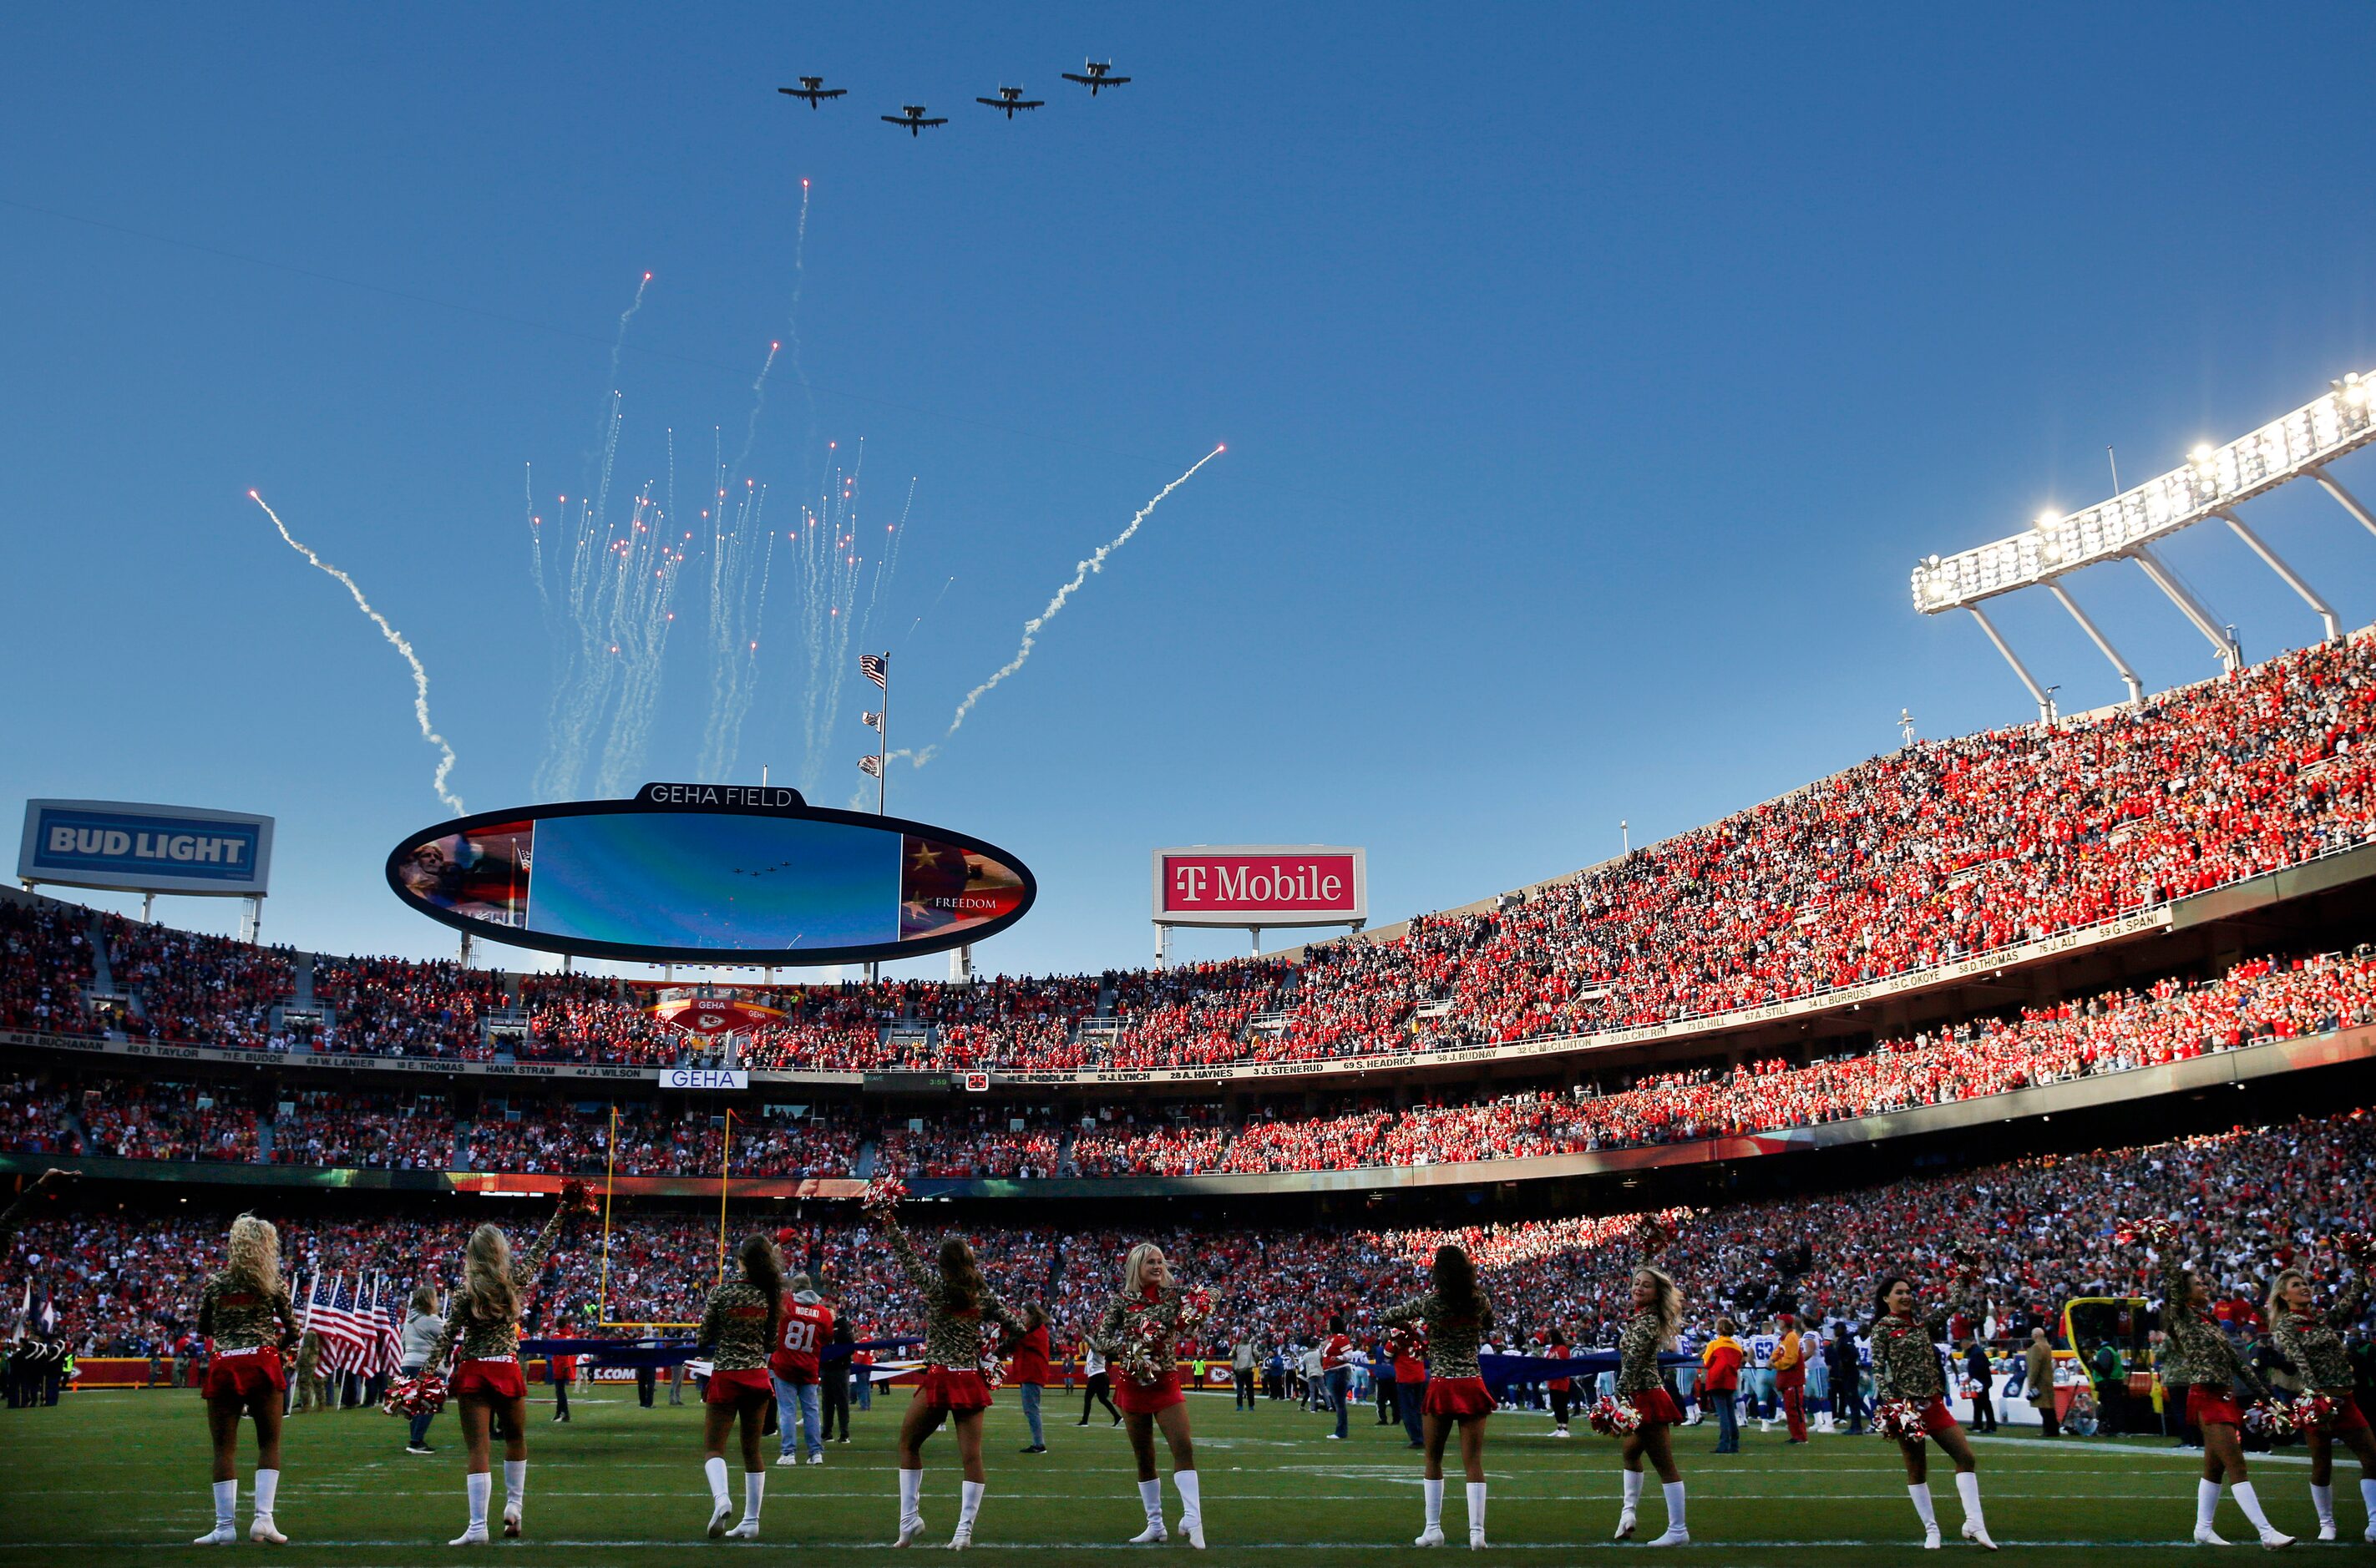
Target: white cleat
{"type": "Point", "coordinates": [222, 1535]}
{"type": "Point", "coordinates": [721, 1514]}
{"type": "Point", "coordinates": [785, 1461]}
{"type": "Point", "coordinates": [962, 1539]}
{"type": "Point", "coordinates": [747, 1531]}
{"type": "Point", "coordinates": [1624, 1526]}
{"type": "Point", "coordinates": [1977, 1534]}
{"type": "Point", "coordinates": [263, 1533]}
{"type": "Point", "coordinates": [817, 1457]}
{"type": "Point", "coordinates": [909, 1528]}
{"type": "Point", "coordinates": [1930, 1537]}
{"type": "Point", "coordinates": [2205, 1535]}
{"type": "Point", "coordinates": [475, 1536]}
{"type": "Point", "coordinates": [1675, 1536]}
{"type": "Point", "coordinates": [2275, 1539]}
{"type": "Point", "coordinates": [1154, 1535]}
{"type": "Point", "coordinates": [511, 1521]}
{"type": "Point", "coordinates": [1192, 1531]}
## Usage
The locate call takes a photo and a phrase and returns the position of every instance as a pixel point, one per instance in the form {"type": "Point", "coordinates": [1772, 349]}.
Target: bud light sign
{"type": "Point", "coordinates": [145, 848]}
{"type": "Point", "coordinates": [1262, 886]}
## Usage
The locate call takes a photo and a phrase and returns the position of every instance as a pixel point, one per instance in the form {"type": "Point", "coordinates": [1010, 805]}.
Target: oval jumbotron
{"type": "Point", "coordinates": [711, 874]}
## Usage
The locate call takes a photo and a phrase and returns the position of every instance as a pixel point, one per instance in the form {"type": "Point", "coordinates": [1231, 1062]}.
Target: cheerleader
{"type": "Point", "coordinates": [482, 1332]}
{"type": "Point", "coordinates": [958, 1305]}
{"type": "Point", "coordinates": [244, 1310]}
{"type": "Point", "coordinates": [739, 1327]}
{"type": "Point", "coordinates": [1139, 1337]}
{"type": "Point", "coordinates": [1905, 1366]}
{"type": "Point", "coordinates": [2310, 1339]}
{"type": "Point", "coordinates": [2195, 1352]}
{"type": "Point", "coordinates": [1457, 1315]}
{"type": "Point", "coordinates": [1657, 1314]}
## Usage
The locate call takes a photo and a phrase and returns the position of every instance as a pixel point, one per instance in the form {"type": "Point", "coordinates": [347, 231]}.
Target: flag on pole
{"type": "Point", "coordinates": [387, 1306]}
{"type": "Point", "coordinates": [872, 720]}
{"type": "Point", "coordinates": [347, 1334]}
{"type": "Point", "coordinates": [871, 765]}
{"type": "Point", "coordinates": [876, 667]}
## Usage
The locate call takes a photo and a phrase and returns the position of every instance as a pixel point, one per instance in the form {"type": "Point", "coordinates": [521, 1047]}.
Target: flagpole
{"type": "Point", "coordinates": [725, 1159]}
{"type": "Point", "coordinates": [883, 747]}
{"type": "Point", "coordinates": [610, 1178]}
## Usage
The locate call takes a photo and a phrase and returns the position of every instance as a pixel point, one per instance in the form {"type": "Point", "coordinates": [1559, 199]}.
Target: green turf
{"type": "Point", "coordinates": [121, 1477]}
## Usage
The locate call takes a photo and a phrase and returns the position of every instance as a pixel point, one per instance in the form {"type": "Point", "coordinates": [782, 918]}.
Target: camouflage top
{"type": "Point", "coordinates": [476, 1338]}
{"type": "Point", "coordinates": [236, 1314]}
{"type": "Point", "coordinates": [1451, 1337]}
{"type": "Point", "coordinates": [2313, 1342]}
{"type": "Point", "coordinates": [1905, 1353]}
{"type": "Point", "coordinates": [2194, 1351]}
{"type": "Point", "coordinates": [953, 1338]}
{"type": "Point", "coordinates": [738, 1325]}
{"type": "Point", "coordinates": [1637, 1353]}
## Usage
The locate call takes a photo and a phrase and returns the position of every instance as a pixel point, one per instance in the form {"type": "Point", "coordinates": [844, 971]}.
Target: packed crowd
{"type": "Point", "coordinates": [2257, 1001]}
{"type": "Point", "coordinates": [1939, 852]}
{"type": "Point", "coordinates": [2035, 1232]}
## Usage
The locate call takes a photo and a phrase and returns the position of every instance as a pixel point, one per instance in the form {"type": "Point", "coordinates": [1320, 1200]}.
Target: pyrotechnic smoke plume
{"type": "Point", "coordinates": [420, 675]}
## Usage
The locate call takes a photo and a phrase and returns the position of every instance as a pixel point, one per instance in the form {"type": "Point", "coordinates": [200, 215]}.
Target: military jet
{"type": "Point", "coordinates": [1096, 77]}
{"type": "Point", "coordinates": [814, 90]}
{"type": "Point", "coordinates": [913, 116]}
{"type": "Point", "coordinates": [1010, 99]}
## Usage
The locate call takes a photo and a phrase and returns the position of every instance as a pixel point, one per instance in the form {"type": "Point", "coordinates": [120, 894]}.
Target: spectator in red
{"type": "Point", "coordinates": [806, 1325]}
{"type": "Point", "coordinates": [1026, 1368]}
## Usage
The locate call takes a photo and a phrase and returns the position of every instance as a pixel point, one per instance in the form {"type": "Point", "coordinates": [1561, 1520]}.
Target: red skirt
{"type": "Point", "coordinates": [1656, 1407]}
{"type": "Point", "coordinates": [2349, 1417]}
{"type": "Point", "coordinates": [1136, 1398]}
{"type": "Point", "coordinates": [2210, 1406]}
{"type": "Point", "coordinates": [243, 1374]}
{"type": "Point", "coordinates": [1459, 1397]}
{"type": "Point", "coordinates": [496, 1377]}
{"type": "Point", "coordinates": [729, 1387]}
{"type": "Point", "coordinates": [1937, 1418]}
{"type": "Point", "coordinates": [945, 1388]}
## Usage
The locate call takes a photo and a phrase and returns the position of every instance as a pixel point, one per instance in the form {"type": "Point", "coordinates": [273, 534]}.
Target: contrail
{"type": "Point", "coordinates": [420, 676]}
{"type": "Point", "coordinates": [1080, 575]}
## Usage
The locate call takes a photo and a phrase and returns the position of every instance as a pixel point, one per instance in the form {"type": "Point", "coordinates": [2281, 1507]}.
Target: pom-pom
{"type": "Point", "coordinates": [2269, 1417]}
{"type": "Point", "coordinates": [576, 1198]}
{"type": "Point", "coordinates": [2314, 1412]}
{"type": "Point", "coordinates": [992, 1373]}
{"type": "Point", "coordinates": [2152, 1230]}
{"type": "Point", "coordinates": [883, 1193]}
{"type": "Point", "coordinates": [423, 1394]}
{"type": "Point", "coordinates": [1652, 1236]}
{"type": "Point", "coordinates": [1612, 1417]}
{"type": "Point", "coordinates": [1195, 1306]}
{"type": "Point", "coordinates": [1899, 1419]}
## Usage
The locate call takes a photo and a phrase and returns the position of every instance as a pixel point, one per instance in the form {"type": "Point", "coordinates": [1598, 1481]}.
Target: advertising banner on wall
{"type": "Point", "coordinates": [1262, 885]}
{"type": "Point", "coordinates": [139, 848]}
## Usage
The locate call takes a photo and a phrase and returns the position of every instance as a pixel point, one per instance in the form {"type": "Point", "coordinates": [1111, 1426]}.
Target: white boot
{"type": "Point", "coordinates": [755, 1494]}
{"type": "Point", "coordinates": [1920, 1493]}
{"type": "Point", "coordinates": [477, 1485]}
{"type": "Point", "coordinates": [1191, 1486]}
{"type": "Point", "coordinates": [1431, 1494]}
{"type": "Point", "coordinates": [514, 1494]}
{"type": "Point", "coordinates": [226, 1529]}
{"type": "Point", "coordinates": [911, 1506]}
{"type": "Point", "coordinates": [968, 1508]}
{"type": "Point", "coordinates": [1976, 1526]}
{"type": "Point", "coordinates": [1476, 1515]}
{"type": "Point", "coordinates": [1677, 1532]}
{"type": "Point", "coordinates": [1150, 1497]}
{"type": "Point", "coordinates": [1633, 1479]}
{"type": "Point", "coordinates": [2250, 1502]}
{"type": "Point", "coordinates": [2322, 1499]}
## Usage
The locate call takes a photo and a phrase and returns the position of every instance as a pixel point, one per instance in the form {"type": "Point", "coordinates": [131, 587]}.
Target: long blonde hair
{"type": "Point", "coordinates": [1133, 1265]}
{"type": "Point", "coordinates": [487, 1276]}
{"type": "Point", "coordinates": [2277, 1303]}
{"type": "Point", "coordinates": [254, 1253]}
{"type": "Point", "coordinates": [1669, 1305]}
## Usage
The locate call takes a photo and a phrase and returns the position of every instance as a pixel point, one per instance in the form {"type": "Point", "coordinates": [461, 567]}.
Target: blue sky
{"type": "Point", "coordinates": [1592, 377]}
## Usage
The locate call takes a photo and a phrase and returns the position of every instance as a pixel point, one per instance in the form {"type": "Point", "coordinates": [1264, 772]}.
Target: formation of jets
{"type": "Point", "coordinates": [1095, 75]}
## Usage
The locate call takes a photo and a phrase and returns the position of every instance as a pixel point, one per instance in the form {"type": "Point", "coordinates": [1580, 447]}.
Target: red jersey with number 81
{"type": "Point", "coordinates": [806, 1327]}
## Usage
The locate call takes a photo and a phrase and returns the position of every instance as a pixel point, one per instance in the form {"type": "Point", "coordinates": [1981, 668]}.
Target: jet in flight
{"type": "Point", "coordinates": [1010, 99]}
{"type": "Point", "coordinates": [814, 90]}
{"type": "Point", "coordinates": [913, 118]}
{"type": "Point", "coordinates": [1096, 77]}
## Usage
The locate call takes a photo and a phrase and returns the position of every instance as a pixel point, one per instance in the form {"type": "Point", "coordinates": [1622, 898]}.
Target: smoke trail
{"type": "Point", "coordinates": [626, 316]}
{"type": "Point", "coordinates": [930, 608]}
{"type": "Point", "coordinates": [420, 676]}
{"type": "Point", "coordinates": [1096, 562]}
{"type": "Point", "coordinates": [793, 316]}
{"type": "Point", "coordinates": [758, 401]}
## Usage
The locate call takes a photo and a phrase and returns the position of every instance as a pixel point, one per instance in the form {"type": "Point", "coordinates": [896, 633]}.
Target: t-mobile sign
{"type": "Point", "coordinates": [1262, 885]}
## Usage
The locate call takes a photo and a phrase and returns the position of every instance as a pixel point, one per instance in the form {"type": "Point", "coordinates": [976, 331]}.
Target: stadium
{"type": "Point", "coordinates": [2063, 1029]}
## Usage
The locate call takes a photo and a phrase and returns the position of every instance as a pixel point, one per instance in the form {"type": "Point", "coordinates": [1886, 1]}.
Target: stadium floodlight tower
{"type": "Point", "coordinates": [2213, 482]}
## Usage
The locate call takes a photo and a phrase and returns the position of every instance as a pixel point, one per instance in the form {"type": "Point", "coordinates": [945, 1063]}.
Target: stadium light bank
{"type": "Point", "coordinates": [2213, 481]}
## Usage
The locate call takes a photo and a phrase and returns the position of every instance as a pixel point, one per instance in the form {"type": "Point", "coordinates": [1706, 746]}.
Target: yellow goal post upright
{"type": "Point", "coordinates": [602, 1318]}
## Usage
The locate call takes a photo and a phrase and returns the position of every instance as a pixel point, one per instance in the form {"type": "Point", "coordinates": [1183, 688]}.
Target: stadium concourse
{"type": "Point", "coordinates": [1972, 1011]}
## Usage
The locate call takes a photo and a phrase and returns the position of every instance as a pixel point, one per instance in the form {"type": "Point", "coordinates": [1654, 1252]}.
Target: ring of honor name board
{"type": "Point", "coordinates": [684, 873]}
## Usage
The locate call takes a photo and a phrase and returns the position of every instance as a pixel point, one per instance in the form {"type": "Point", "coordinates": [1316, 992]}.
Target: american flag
{"type": "Point", "coordinates": [387, 1309]}
{"type": "Point", "coordinates": [871, 765]}
{"type": "Point", "coordinates": [876, 667]}
{"type": "Point", "coordinates": [347, 1332]}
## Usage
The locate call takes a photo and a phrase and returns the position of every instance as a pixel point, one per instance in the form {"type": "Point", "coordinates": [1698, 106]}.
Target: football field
{"type": "Point", "coordinates": [122, 1478]}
